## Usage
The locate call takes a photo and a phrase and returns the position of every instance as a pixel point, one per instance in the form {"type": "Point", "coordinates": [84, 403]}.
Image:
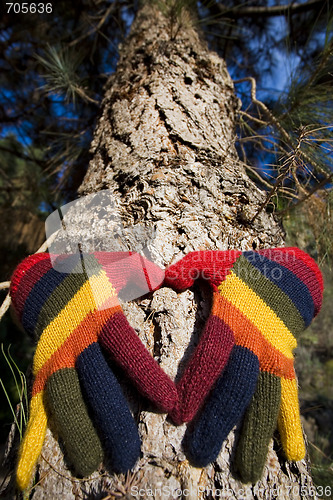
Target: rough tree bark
{"type": "Point", "coordinates": [165, 146]}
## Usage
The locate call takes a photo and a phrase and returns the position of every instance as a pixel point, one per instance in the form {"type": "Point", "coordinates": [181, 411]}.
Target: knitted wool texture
{"type": "Point", "coordinates": [60, 310]}
{"type": "Point", "coordinates": [68, 312]}
{"type": "Point", "coordinates": [65, 312]}
{"type": "Point", "coordinates": [258, 312]}
{"type": "Point", "coordinates": [267, 297]}
{"type": "Point", "coordinates": [183, 399]}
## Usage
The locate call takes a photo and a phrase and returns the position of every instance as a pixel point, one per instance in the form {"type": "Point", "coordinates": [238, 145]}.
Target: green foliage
{"type": "Point", "coordinates": [65, 59]}
{"type": "Point", "coordinates": [324, 230]}
{"type": "Point", "coordinates": [53, 68]}
{"type": "Point", "coordinates": [23, 184]}
{"type": "Point", "coordinates": [20, 384]}
{"type": "Point", "coordinates": [178, 13]}
{"type": "Point", "coordinates": [306, 110]}
{"type": "Point", "coordinates": [15, 358]}
{"type": "Point", "coordinates": [174, 8]}
{"type": "Point", "coordinates": [290, 137]}
{"type": "Point", "coordinates": [322, 461]}
{"type": "Point", "coordinates": [61, 67]}
{"type": "Point", "coordinates": [310, 226]}
{"type": "Point", "coordinates": [314, 356]}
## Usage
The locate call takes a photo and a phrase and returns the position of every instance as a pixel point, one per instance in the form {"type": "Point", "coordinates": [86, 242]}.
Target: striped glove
{"type": "Point", "coordinates": [267, 298]}
{"type": "Point", "coordinates": [217, 338]}
{"type": "Point", "coordinates": [66, 310]}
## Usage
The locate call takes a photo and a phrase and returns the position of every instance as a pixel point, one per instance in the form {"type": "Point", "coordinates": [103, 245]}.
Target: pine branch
{"type": "Point", "coordinates": [96, 28]}
{"type": "Point", "coordinates": [316, 188]}
{"type": "Point", "coordinates": [272, 120]}
{"type": "Point", "coordinates": [263, 11]}
{"type": "Point", "coordinates": [61, 67]}
{"type": "Point", "coordinates": [22, 155]}
{"type": "Point", "coordinates": [293, 158]}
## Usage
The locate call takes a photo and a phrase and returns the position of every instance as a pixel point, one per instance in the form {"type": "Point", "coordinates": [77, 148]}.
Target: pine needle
{"type": "Point", "coordinates": [61, 73]}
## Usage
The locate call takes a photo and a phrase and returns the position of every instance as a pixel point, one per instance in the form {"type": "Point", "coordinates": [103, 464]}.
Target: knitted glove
{"type": "Point", "coordinates": [65, 312]}
{"type": "Point", "coordinates": [267, 297]}
{"type": "Point", "coordinates": [217, 338]}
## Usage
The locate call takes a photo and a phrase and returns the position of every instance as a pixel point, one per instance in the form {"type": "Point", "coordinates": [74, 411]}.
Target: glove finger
{"type": "Point", "coordinates": [258, 428]}
{"type": "Point", "coordinates": [289, 421]}
{"type": "Point", "coordinates": [122, 343]}
{"type": "Point", "coordinates": [224, 407]}
{"type": "Point", "coordinates": [113, 418]}
{"type": "Point", "coordinates": [207, 363]}
{"type": "Point", "coordinates": [33, 440]}
{"type": "Point", "coordinates": [73, 422]}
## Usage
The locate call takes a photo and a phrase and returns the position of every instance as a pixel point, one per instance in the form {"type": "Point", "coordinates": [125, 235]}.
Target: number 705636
{"type": "Point", "coordinates": [29, 8]}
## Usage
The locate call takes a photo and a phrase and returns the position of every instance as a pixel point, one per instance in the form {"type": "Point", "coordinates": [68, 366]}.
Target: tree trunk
{"type": "Point", "coordinates": [165, 146]}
